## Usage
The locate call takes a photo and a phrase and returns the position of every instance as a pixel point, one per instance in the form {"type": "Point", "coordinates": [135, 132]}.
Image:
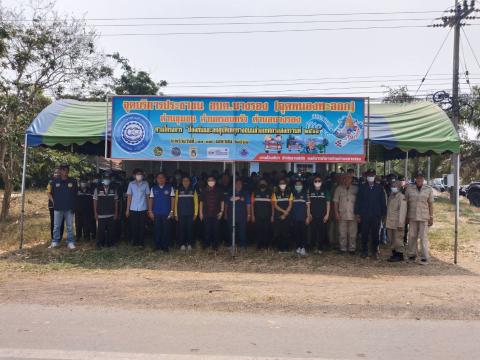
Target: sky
{"type": "Point", "coordinates": [360, 62]}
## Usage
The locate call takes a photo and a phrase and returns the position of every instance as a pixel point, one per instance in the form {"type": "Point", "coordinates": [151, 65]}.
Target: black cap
{"type": "Point", "coordinates": [64, 166]}
{"type": "Point", "coordinates": [371, 172]}
{"type": "Point", "coordinates": [419, 174]}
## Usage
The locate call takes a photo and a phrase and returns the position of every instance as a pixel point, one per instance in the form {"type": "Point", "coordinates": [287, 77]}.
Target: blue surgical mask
{"type": "Point", "coordinates": [298, 188]}
{"type": "Point", "coordinates": [106, 182]}
{"type": "Point", "coordinates": [394, 190]}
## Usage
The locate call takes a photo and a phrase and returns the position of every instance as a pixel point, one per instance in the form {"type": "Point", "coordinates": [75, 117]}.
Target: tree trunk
{"type": "Point", "coordinates": [7, 197]}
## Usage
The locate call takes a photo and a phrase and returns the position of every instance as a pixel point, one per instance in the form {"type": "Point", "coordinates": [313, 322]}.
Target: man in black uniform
{"type": "Point", "coordinates": [282, 199]}
{"type": "Point", "coordinates": [84, 211]}
{"type": "Point", "coordinates": [105, 205]}
{"type": "Point", "coordinates": [320, 212]}
{"type": "Point", "coordinates": [262, 214]}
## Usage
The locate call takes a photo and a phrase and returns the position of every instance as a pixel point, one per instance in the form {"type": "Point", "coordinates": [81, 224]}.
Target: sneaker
{"type": "Point", "coordinates": [352, 252]}
{"type": "Point", "coordinates": [423, 261]}
{"type": "Point", "coordinates": [319, 252]}
{"type": "Point", "coordinates": [183, 248]}
{"type": "Point", "coordinates": [303, 252]}
{"type": "Point", "coordinates": [298, 250]}
{"type": "Point", "coordinates": [54, 245]}
{"type": "Point", "coordinates": [71, 246]}
{"type": "Point", "coordinates": [189, 248]}
{"type": "Point", "coordinates": [412, 258]}
{"type": "Point", "coordinates": [376, 256]}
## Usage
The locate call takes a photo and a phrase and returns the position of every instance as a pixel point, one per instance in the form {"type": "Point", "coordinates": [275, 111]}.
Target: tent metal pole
{"type": "Point", "coordinates": [106, 129]}
{"type": "Point", "coordinates": [22, 213]}
{"type": "Point", "coordinates": [406, 167]}
{"type": "Point", "coordinates": [457, 206]}
{"type": "Point", "coordinates": [429, 164]}
{"type": "Point", "coordinates": [234, 172]}
{"type": "Point", "coordinates": [368, 130]}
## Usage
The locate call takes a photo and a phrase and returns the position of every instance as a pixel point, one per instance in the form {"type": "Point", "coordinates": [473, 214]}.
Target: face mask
{"type": "Point", "coordinates": [298, 188]}
{"type": "Point", "coordinates": [403, 183]}
{"type": "Point", "coordinates": [106, 182]}
{"type": "Point", "coordinates": [211, 183]}
{"type": "Point", "coordinates": [370, 179]}
{"type": "Point", "coordinates": [139, 177]}
{"type": "Point", "coordinates": [83, 185]}
{"type": "Point", "coordinates": [317, 184]}
{"type": "Point", "coordinates": [394, 190]}
{"type": "Point", "coordinates": [282, 186]}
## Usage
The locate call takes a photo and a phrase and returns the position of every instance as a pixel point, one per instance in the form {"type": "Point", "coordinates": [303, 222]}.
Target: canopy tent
{"type": "Point", "coordinates": [420, 127]}
{"type": "Point", "coordinates": [393, 131]}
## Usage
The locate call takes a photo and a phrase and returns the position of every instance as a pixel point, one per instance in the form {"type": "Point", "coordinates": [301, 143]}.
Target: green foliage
{"type": "Point", "coordinates": [398, 95]}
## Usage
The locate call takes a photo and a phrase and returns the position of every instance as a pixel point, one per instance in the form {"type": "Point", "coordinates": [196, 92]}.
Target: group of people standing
{"type": "Point", "coordinates": [279, 210]}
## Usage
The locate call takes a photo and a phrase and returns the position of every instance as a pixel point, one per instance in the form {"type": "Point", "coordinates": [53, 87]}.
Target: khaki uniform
{"type": "Point", "coordinates": [347, 225]}
{"type": "Point", "coordinates": [395, 221]}
{"type": "Point", "coordinates": [418, 215]}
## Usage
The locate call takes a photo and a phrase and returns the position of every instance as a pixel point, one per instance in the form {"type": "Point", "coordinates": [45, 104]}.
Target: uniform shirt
{"type": "Point", "coordinates": [242, 199]}
{"type": "Point", "coordinates": [186, 201]}
{"type": "Point", "coordinates": [262, 204]}
{"type": "Point", "coordinates": [64, 193]}
{"type": "Point", "coordinates": [300, 201]}
{"type": "Point", "coordinates": [106, 196]}
{"type": "Point", "coordinates": [396, 211]}
{"type": "Point", "coordinates": [345, 198]}
{"type": "Point", "coordinates": [139, 192]}
{"type": "Point", "coordinates": [282, 199]}
{"type": "Point", "coordinates": [211, 199]}
{"type": "Point", "coordinates": [162, 199]}
{"type": "Point", "coordinates": [318, 202]}
{"type": "Point", "coordinates": [371, 201]}
{"type": "Point", "coordinates": [84, 203]}
{"type": "Point", "coordinates": [417, 201]}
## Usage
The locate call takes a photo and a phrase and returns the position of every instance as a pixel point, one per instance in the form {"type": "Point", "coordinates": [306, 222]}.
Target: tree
{"type": "Point", "coordinates": [398, 95]}
{"type": "Point", "coordinates": [134, 82]}
{"type": "Point", "coordinates": [41, 56]}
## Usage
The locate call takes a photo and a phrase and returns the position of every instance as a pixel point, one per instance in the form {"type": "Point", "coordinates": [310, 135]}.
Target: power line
{"type": "Point", "coordinates": [433, 61]}
{"type": "Point", "coordinates": [247, 16]}
{"type": "Point", "coordinates": [264, 31]}
{"type": "Point", "coordinates": [464, 67]}
{"type": "Point", "coordinates": [402, 81]}
{"type": "Point", "coordinates": [471, 48]}
{"type": "Point", "coordinates": [306, 79]}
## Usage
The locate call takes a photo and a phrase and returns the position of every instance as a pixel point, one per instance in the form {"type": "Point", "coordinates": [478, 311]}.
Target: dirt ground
{"type": "Point", "coordinates": [329, 285]}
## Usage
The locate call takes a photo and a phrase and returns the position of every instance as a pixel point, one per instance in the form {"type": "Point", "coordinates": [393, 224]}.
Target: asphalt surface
{"type": "Point", "coordinates": [104, 333]}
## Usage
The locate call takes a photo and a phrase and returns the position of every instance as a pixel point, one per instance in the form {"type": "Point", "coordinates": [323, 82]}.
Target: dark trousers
{"type": "Point", "coordinates": [263, 233]}
{"type": "Point", "coordinates": [300, 231]}
{"type": "Point", "coordinates": [106, 232]}
{"type": "Point", "coordinates": [52, 222]}
{"type": "Point", "coordinates": [161, 232]}
{"type": "Point", "coordinates": [240, 233]}
{"type": "Point", "coordinates": [370, 229]}
{"type": "Point", "coordinates": [319, 234]}
{"type": "Point", "coordinates": [137, 227]}
{"type": "Point", "coordinates": [185, 230]}
{"type": "Point", "coordinates": [83, 224]}
{"type": "Point", "coordinates": [282, 234]}
{"type": "Point", "coordinates": [211, 232]}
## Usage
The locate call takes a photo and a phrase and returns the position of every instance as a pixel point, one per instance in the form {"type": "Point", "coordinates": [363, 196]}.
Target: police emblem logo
{"type": "Point", "coordinates": [133, 132]}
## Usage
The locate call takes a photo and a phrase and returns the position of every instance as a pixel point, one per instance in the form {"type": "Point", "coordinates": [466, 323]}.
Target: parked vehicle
{"type": "Point", "coordinates": [473, 193]}
{"type": "Point", "coordinates": [438, 184]}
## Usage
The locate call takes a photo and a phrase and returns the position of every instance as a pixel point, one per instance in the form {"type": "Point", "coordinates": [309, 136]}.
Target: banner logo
{"type": "Point", "coordinates": [133, 132]}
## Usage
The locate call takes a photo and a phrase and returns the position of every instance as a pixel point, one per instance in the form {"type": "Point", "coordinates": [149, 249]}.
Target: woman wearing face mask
{"type": "Point", "coordinates": [301, 216]}
{"type": "Point", "coordinates": [319, 211]}
{"type": "Point", "coordinates": [84, 211]}
{"type": "Point", "coordinates": [395, 222]}
{"type": "Point", "coordinates": [105, 208]}
{"type": "Point", "coordinates": [282, 200]}
{"type": "Point", "coordinates": [262, 214]}
{"type": "Point", "coordinates": [138, 193]}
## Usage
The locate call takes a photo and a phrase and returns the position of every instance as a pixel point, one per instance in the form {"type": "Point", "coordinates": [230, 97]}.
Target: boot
{"type": "Point", "coordinates": [396, 257]}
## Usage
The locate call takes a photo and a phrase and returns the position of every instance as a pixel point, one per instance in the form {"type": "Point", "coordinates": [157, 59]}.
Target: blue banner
{"type": "Point", "coordinates": [265, 129]}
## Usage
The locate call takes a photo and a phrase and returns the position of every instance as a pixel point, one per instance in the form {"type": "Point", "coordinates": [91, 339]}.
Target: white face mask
{"type": "Point", "coordinates": [317, 185]}
{"type": "Point", "coordinates": [211, 183]}
{"type": "Point", "coordinates": [282, 186]}
{"type": "Point", "coordinates": [403, 183]}
{"type": "Point", "coordinates": [139, 177]}
{"type": "Point", "coordinates": [106, 182]}
{"type": "Point", "coordinates": [370, 179]}
{"type": "Point", "coordinates": [394, 190]}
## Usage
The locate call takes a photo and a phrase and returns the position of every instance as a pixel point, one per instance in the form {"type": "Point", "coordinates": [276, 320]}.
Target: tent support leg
{"type": "Point", "coordinates": [406, 167]}
{"type": "Point", "coordinates": [22, 213]}
{"type": "Point", "coordinates": [429, 165]}
{"type": "Point", "coordinates": [457, 206]}
{"type": "Point", "coordinates": [234, 173]}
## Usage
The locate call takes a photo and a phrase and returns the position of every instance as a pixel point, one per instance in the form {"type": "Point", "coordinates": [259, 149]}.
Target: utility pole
{"type": "Point", "coordinates": [459, 14]}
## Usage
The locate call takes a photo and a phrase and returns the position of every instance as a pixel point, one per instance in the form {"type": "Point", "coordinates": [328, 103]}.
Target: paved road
{"type": "Point", "coordinates": [75, 332]}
